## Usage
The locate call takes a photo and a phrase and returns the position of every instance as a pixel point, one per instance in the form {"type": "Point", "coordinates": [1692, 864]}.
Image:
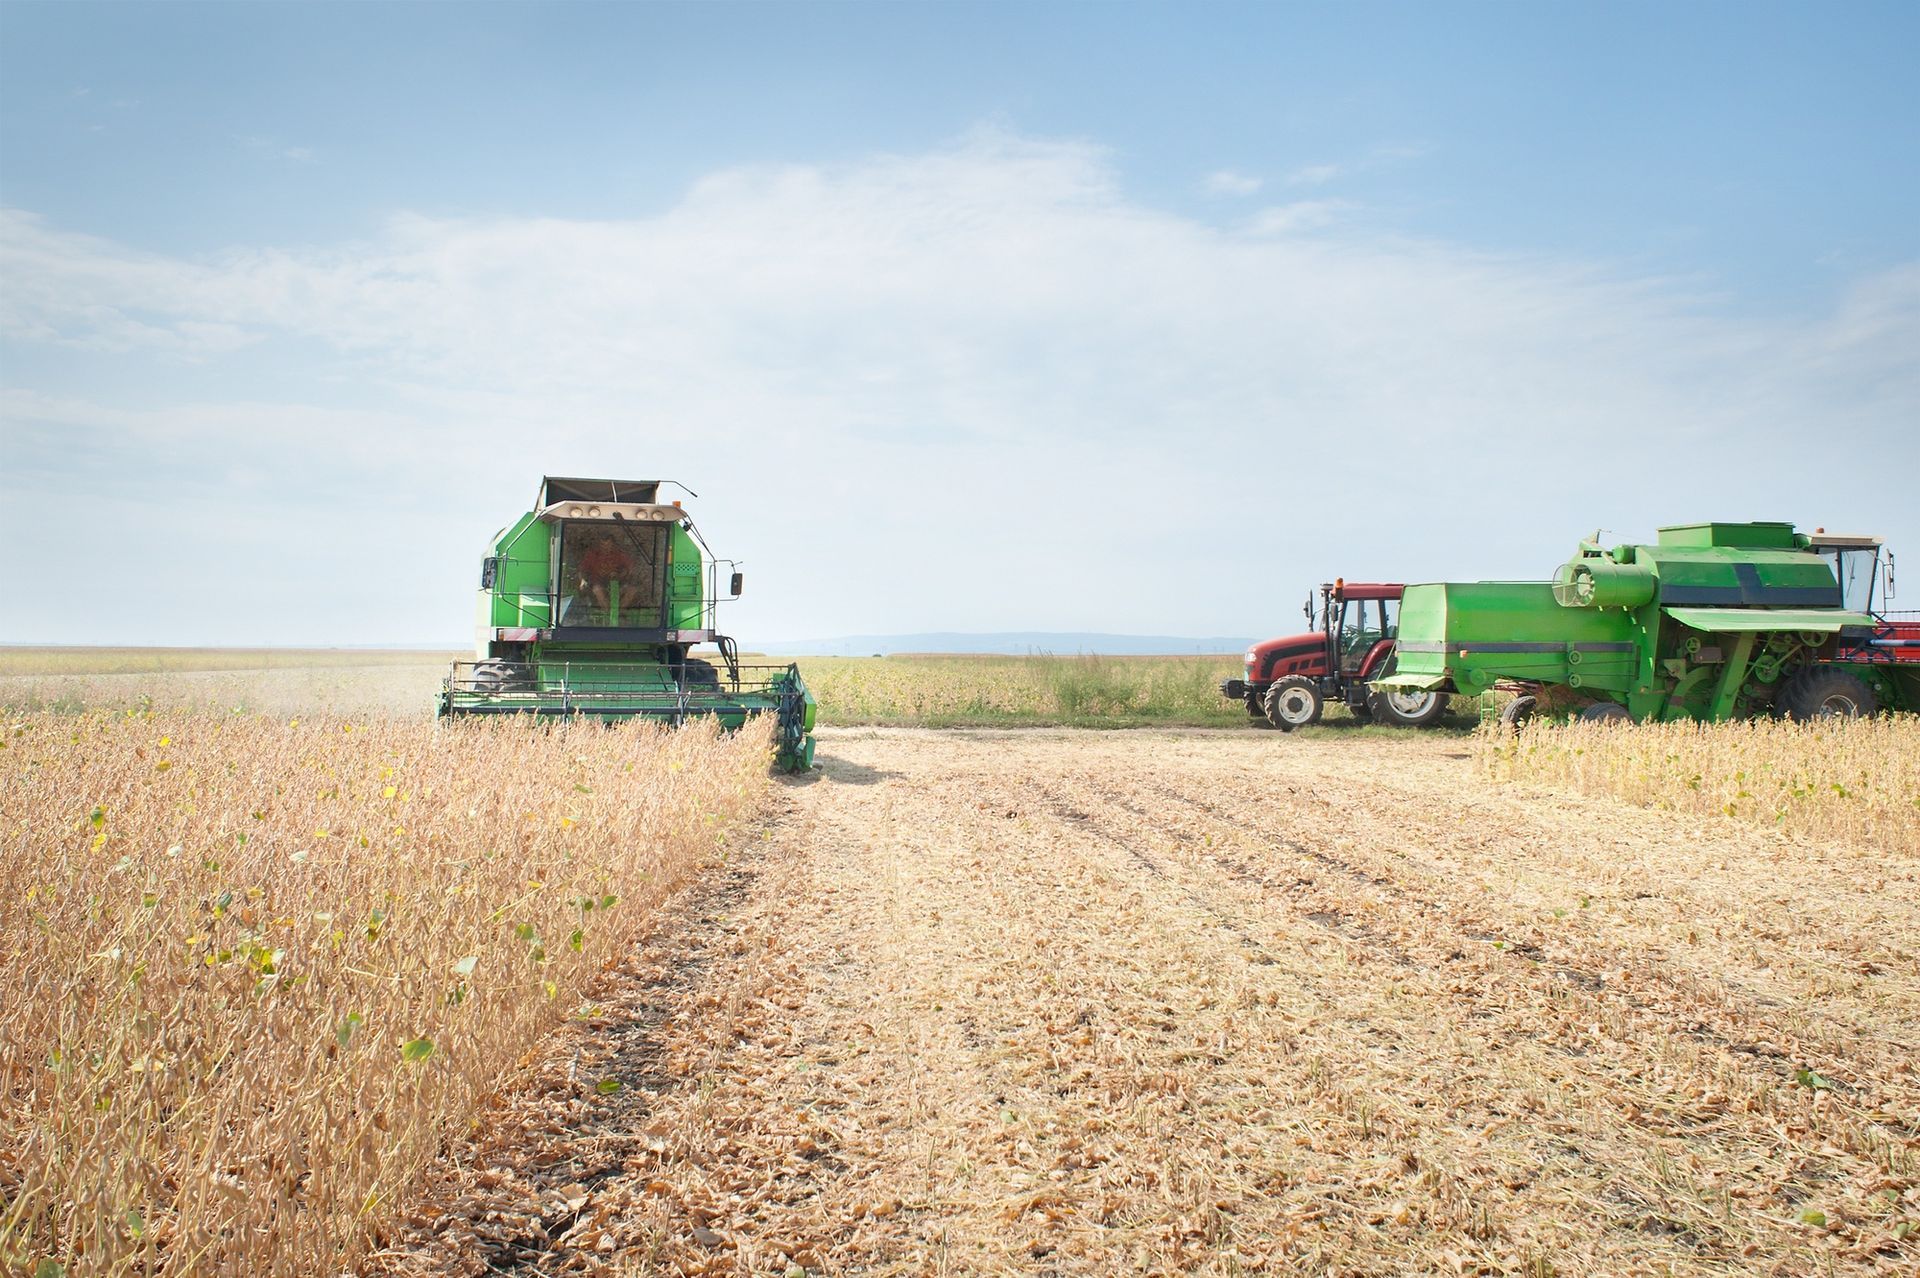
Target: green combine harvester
{"type": "Point", "coordinates": [1714, 621]}
{"type": "Point", "coordinates": [591, 603]}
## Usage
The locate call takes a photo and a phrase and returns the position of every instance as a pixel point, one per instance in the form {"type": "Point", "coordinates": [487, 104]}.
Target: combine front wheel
{"type": "Point", "coordinates": [1293, 702]}
{"type": "Point", "coordinates": [491, 678]}
{"type": "Point", "coordinates": [1605, 712]}
{"type": "Point", "coordinates": [1516, 712]}
{"type": "Point", "coordinates": [1821, 692]}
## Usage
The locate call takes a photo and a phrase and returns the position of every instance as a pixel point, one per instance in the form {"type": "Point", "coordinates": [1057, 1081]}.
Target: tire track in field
{"type": "Point", "coordinates": [1640, 1031]}
{"type": "Point", "coordinates": [1489, 1001]}
{"type": "Point", "coordinates": [1744, 1023]}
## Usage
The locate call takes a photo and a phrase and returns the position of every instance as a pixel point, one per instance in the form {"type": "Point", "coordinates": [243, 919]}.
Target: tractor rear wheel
{"type": "Point", "coordinates": [1516, 712]}
{"type": "Point", "coordinates": [1407, 708]}
{"type": "Point", "coordinates": [1821, 692]}
{"type": "Point", "coordinates": [1293, 702]}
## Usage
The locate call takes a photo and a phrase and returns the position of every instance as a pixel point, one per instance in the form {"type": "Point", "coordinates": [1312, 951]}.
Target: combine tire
{"type": "Point", "coordinates": [1605, 712]}
{"type": "Point", "coordinates": [1517, 711]}
{"type": "Point", "coordinates": [695, 673]}
{"type": "Point", "coordinates": [1405, 708]}
{"type": "Point", "coordinates": [1821, 692]}
{"type": "Point", "coordinates": [1293, 702]}
{"type": "Point", "coordinates": [491, 678]}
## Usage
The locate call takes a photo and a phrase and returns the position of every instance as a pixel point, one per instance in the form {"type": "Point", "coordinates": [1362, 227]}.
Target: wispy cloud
{"type": "Point", "coordinates": [1301, 215]}
{"type": "Point", "coordinates": [1229, 182]}
{"type": "Point", "coordinates": [880, 351]}
{"type": "Point", "coordinates": [1315, 174]}
{"type": "Point", "coordinates": [276, 150]}
{"type": "Point", "coordinates": [1373, 158]}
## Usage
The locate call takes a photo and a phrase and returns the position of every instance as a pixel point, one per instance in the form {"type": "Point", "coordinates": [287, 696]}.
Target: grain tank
{"type": "Point", "coordinates": [1712, 621]}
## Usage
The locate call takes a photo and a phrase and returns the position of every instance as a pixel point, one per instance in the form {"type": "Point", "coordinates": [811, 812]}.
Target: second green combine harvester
{"type": "Point", "coordinates": [591, 604]}
{"type": "Point", "coordinates": [1713, 621]}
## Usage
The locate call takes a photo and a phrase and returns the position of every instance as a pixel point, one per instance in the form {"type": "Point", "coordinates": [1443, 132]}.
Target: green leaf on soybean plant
{"type": "Point", "coordinates": [1812, 1081]}
{"type": "Point", "coordinates": [345, 1033]}
{"type": "Point", "coordinates": [607, 1086]}
{"type": "Point", "coordinates": [578, 939]}
{"type": "Point", "coordinates": [416, 1050]}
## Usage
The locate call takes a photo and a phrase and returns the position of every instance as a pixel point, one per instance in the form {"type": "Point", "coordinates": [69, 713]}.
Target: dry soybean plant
{"type": "Point", "coordinates": [1852, 781]}
{"type": "Point", "coordinates": [257, 970]}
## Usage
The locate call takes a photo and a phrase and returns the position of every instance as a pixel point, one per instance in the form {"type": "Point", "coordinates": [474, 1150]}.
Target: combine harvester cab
{"type": "Point", "coordinates": [591, 603]}
{"type": "Point", "coordinates": [1714, 621]}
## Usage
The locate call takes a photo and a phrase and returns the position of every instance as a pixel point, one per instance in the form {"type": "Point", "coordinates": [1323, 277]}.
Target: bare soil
{"type": "Point", "coordinates": [1059, 1002]}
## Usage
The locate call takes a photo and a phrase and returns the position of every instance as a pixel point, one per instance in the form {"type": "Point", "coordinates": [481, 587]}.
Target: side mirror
{"type": "Point", "coordinates": [738, 578]}
{"type": "Point", "coordinates": [1308, 610]}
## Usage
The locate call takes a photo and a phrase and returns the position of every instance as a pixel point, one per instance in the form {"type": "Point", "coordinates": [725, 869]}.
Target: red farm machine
{"type": "Point", "coordinates": [1349, 642]}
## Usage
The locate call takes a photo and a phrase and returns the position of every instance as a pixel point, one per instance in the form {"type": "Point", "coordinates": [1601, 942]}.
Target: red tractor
{"type": "Point", "coordinates": [1290, 680]}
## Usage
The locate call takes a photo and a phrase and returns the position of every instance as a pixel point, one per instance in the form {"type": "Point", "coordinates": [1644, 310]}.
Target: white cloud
{"type": "Point", "coordinates": [1228, 182]}
{"type": "Point", "coordinates": [978, 388]}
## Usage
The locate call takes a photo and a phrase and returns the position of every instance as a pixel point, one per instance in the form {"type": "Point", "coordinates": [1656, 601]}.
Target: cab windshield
{"type": "Point", "coordinates": [612, 574]}
{"type": "Point", "coordinates": [1365, 623]}
{"type": "Point", "coordinates": [1853, 567]}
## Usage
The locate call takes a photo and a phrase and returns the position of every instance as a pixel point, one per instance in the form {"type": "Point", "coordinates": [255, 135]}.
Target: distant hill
{"type": "Point", "coordinates": [1018, 643]}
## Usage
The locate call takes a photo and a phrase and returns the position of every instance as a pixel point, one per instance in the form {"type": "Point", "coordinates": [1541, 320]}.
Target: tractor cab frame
{"type": "Point", "coordinates": [1289, 680]}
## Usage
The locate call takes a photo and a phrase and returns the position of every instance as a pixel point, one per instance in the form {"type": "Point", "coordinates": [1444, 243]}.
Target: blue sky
{"type": "Point", "coordinates": [1161, 311]}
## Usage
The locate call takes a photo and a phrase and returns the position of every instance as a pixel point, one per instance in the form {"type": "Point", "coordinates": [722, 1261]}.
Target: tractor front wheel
{"type": "Point", "coordinates": [1293, 702]}
{"type": "Point", "coordinates": [1821, 692]}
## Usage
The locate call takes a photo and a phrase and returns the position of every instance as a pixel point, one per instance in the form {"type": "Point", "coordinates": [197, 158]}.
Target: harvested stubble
{"type": "Point", "coordinates": [257, 970]}
{"type": "Point", "coordinates": [1234, 1003]}
{"type": "Point", "coordinates": [937, 690]}
{"type": "Point", "coordinates": [1856, 781]}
